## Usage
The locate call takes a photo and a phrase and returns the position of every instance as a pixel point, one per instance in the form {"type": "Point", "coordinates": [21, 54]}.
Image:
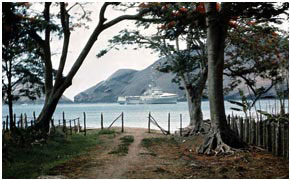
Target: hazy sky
{"type": "Point", "coordinates": [94, 69]}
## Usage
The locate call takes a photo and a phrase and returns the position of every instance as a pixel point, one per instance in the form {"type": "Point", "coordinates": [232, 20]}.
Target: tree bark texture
{"type": "Point", "coordinates": [9, 94]}
{"type": "Point", "coordinates": [194, 99]}
{"type": "Point", "coordinates": [221, 139]}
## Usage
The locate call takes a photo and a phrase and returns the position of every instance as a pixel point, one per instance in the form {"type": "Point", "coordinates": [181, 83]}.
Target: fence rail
{"type": "Point", "coordinates": [122, 121]}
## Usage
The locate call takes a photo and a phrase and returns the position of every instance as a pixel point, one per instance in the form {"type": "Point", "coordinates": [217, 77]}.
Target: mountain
{"type": "Point", "coordinates": [128, 82]}
{"type": "Point", "coordinates": [25, 100]}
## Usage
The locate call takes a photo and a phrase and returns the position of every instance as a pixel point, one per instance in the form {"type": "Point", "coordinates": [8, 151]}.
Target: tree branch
{"type": "Point", "coordinates": [100, 27]}
{"type": "Point", "coordinates": [102, 13]}
{"type": "Point", "coordinates": [47, 52]}
{"type": "Point", "coordinates": [65, 26]}
{"type": "Point", "coordinates": [36, 37]}
{"type": "Point", "coordinates": [260, 94]}
{"type": "Point", "coordinates": [126, 17]}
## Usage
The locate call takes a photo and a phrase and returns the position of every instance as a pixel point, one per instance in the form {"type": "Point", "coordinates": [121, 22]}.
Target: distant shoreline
{"type": "Point", "coordinates": [205, 100]}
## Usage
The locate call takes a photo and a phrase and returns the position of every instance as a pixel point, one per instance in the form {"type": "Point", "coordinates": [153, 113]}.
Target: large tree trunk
{"type": "Point", "coordinates": [194, 99]}
{"type": "Point", "coordinates": [9, 95]}
{"type": "Point", "coordinates": [10, 107]}
{"type": "Point", "coordinates": [195, 112]}
{"type": "Point", "coordinates": [221, 139]}
{"type": "Point", "coordinates": [49, 107]}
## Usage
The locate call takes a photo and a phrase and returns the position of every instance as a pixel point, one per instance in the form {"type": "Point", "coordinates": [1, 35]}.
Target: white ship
{"type": "Point", "coordinates": [152, 96]}
{"type": "Point", "coordinates": [157, 96]}
{"type": "Point", "coordinates": [132, 99]}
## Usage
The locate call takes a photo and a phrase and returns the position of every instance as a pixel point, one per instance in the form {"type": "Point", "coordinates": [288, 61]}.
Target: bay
{"type": "Point", "coordinates": [134, 115]}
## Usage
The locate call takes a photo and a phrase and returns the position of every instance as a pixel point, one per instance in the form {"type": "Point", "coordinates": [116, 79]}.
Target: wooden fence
{"type": "Point", "coordinates": [67, 125]}
{"type": "Point", "coordinates": [152, 120]}
{"type": "Point", "coordinates": [24, 122]}
{"type": "Point", "coordinates": [120, 116]}
{"type": "Point", "coordinates": [270, 135]}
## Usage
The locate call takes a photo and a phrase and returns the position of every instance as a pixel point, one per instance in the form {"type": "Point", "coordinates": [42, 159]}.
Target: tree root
{"type": "Point", "coordinates": [195, 131]}
{"type": "Point", "coordinates": [219, 143]}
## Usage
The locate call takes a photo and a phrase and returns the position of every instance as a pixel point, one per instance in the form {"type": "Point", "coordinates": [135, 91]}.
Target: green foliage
{"type": "Point", "coordinates": [35, 160]}
{"type": "Point", "coordinates": [22, 67]}
{"type": "Point", "coordinates": [257, 51]}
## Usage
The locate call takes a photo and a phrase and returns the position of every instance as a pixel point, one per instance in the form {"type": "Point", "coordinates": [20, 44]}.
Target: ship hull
{"type": "Point", "coordinates": [133, 100]}
{"type": "Point", "coordinates": [159, 100]}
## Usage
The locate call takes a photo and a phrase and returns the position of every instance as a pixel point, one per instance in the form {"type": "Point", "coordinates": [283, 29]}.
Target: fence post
{"type": "Point", "coordinates": [102, 121]}
{"type": "Point", "coordinates": [273, 132]}
{"type": "Point", "coordinates": [34, 117]}
{"type": "Point", "coordinates": [277, 140]}
{"type": "Point", "coordinates": [246, 130]}
{"type": "Point", "coordinates": [180, 124]}
{"type": "Point", "coordinates": [21, 121]}
{"type": "Point", "coordinates": [235, 126]}
{"type": "Point", "coordinates": [268, 136]}
{"type": "Point", "coordinates": [250, 130]}
{"type": "Point", "coordinates": [64, 123]}
{"type": "Point", "coordinates": [79, 125]}
{"type": "Point", "coordinates": [261, 132]}
{"type": "Point", "coordinates": [85, 130]}
{"type": "Point", "coordinates": [3, 127]}
{"type": "Point", "coordinates": [282, 127]}
{"type": "Point", "coordinates": [264, 134]}
{"type": "Point", "coordinates": [14, 119]}
{"type": "Point", "coordinates": [168, 123]}
{"type": "Point", "coordinates": [149, 119]}
{"type": "Point", "coordinates": [232, 123]}
{"type": "Point", "coordinates": [253, 133]}
{"type": "Point", "coordinates": [7, 123]}
{"type": "Point", "coordinates": [25, 120]}
{"type": "Point", "coordinates": [228, 119]}
{"type": "Point", "coordinates": [70, 127]}
{"type": "Point", "coordinates": [257, 132]}
{"type": "Point", "coordinates": [287, 140]}
{"type": "Point", "coordinates": [122, 117]}
{"type": "Point", "coordinates": [65, 127]}
{"type": "Point", "coordinates": [241, 128]}
{"type": "Point", "coordinates": [75, 127]}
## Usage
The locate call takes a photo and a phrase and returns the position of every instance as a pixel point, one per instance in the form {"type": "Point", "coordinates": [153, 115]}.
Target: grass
{"type": "Point", "coordinates": [123, 148]}
{"type": "Point", "coordinates": [33, 161]}
{"type": "Point", "coordinates": [149, 142]}
{"type": "Point", "coordinates": [107, 131]}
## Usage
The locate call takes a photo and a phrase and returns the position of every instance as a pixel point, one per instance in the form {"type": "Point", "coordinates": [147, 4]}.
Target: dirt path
{"type": "Point", "coordinates": [169, 158]}
{"type": "Point", "coordinates": [115, 166]}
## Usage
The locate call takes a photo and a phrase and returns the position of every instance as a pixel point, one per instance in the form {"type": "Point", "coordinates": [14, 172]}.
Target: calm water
{"type": "Point", "coordinates": [134, 115]}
